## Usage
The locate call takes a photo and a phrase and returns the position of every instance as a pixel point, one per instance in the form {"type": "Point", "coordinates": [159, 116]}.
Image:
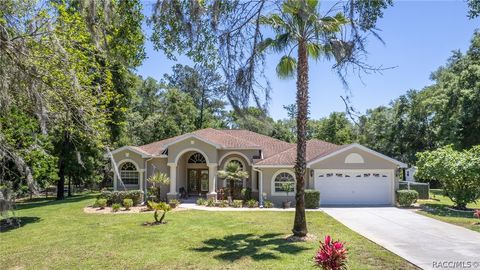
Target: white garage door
{"type": "Point", "coordinates": [349, 187]}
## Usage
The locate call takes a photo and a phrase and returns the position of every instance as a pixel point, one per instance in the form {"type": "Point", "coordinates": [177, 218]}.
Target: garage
{"type": "Point", "coordinates": [354, 187]}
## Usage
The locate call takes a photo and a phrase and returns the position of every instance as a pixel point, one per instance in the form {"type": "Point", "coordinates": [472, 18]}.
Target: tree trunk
{"type": "Point", "coordinates": [69, 186]}
{"type": "Point", "coordinates": [61, 179]}
{"type": "Point", "coordinates": [300, 224]}
{"type": "Point", "coordinates": [62, 159]}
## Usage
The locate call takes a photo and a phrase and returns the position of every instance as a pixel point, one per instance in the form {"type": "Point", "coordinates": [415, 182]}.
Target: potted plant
{"type": "Point", "coordinates": [287, 188]}
{"type": "Point", "coordinates": [232, 173]}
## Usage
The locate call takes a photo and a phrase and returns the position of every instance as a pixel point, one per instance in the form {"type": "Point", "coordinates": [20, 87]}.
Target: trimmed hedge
{"type": "Point", "coordinates": [118, 196]}
{"type": "Point", "coordinates": [422, 189]}
{"type": "Point", "coordinates": [312, 199]}
{"type": "Point", "coordinates": [406, 198]}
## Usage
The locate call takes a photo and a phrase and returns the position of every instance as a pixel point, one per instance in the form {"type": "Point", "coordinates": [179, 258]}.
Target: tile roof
{"type": "Point", "coordinates": [315, 149]}
{"type": "Point", "coordinates": [275, 152]}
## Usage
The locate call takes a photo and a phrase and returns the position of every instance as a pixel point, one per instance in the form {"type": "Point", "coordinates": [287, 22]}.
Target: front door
{"type": "Point", "coordinates": [197, 181]}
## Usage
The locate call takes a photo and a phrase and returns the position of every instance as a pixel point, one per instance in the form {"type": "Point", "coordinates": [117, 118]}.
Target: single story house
{"type": "Point", "coordinates": [344, 174]}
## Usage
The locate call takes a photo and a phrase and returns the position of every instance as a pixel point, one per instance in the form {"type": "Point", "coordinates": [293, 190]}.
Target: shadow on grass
{"type": "Point", "coordinates": [443, 211]}
{"type": "Point", "coordinates": [257, 247]}
{"type": "Point", "coordinates": [18, 222]}
{"type": "Point", "coordinates": [38, 202]}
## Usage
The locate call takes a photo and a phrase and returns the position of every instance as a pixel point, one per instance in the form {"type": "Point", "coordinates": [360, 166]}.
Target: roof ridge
{"type": "Point", "coordinates": [235, 137]}
{"type": "Point", "coordinates": [323, 141]}
{"type": "Point", "coordinates": [263, 135]}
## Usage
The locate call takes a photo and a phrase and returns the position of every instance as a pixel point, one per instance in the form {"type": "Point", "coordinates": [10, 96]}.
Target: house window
{"type": "Point", "coordinates": [282, 178]}
{"type": "Point", "coordinates": [197, 158]}
{"type": "Point", "coordinates": [129, 174]}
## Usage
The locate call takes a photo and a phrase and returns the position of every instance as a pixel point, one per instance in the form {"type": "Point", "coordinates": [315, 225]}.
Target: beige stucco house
{"type": "Point", "coordinates": [344, 174]}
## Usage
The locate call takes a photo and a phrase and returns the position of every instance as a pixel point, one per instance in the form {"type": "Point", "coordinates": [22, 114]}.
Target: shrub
{"type": "Point", "coordinates": [174, 203]}
{"type": "Point", "coordinates": [136, 196]}
{"type": "Point", "coordinates": [406, 198]}
{"type": "Point", "coordinates": [119, 196]}
{"type": "Point", "coordinates": [201, 201]}
{"type": "Point", "coordinates": [116, 207]}
{"type": "Point", "coordinates": [268, 204]}
{"type": "Point", "coordinates": [222, 203]}
{"type": "Point", "coordinates": [127, 203]}
{"type": "Point", "coordinates": [101, 203]}
{"type": "Point", "coordinates": [210, 202]}
{"type": "Point", "coordinates": [331, 255]}
{"type": "Point", "coordinates": [312, 199]}
{"type": "Point", "coordinates": [237, 203]}
{"type": "Point", "coordinates": [246, 193]}
{"type": "Point", "coordinates": [161, 206]}
{"type": "Point", "coordinates": [252, 203]}
{"type": "Point", "coordinates": [105, 195]}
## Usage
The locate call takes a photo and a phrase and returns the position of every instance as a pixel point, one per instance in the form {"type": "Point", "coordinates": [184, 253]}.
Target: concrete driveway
{"type": "Point", "coordinates": [425, 242]}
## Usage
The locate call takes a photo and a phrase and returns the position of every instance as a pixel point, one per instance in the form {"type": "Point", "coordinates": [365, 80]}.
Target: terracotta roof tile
{"type": "Point", "coordinates": [315, 149]}
{"type": "Point", "coordinates": [275, 152]}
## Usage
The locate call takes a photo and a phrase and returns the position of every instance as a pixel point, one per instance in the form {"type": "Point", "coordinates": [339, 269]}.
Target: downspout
{"type": "Point", "coordinates": [260, 186]}
{"type": "Point", "coordinates": [145, 180]}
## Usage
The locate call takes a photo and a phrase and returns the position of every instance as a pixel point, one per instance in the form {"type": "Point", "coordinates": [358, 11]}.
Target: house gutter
{"type": "Point", "coordinates": [260, 186]}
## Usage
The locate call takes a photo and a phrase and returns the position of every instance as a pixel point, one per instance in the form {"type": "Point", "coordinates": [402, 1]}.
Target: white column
{"type": "Point", "coordinates": [115, 179]}
{"type": "Point", "coordinates": [254, 180]}
{"type": "Point", "coordinates": [140, 180]}
{"type": "Point", "coordinates": [260, 187]}
{"type": "Point", "coordinates": [212, 178]}
{"type": "Point", "coordinates": [173, 178]}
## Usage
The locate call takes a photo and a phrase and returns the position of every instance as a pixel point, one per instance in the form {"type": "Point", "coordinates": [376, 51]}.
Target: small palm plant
{"type": "Point", "coordinates": [160, 206]}
{"type": "Point", "coordinates": [157, 180]}
{"type": "Point", "coordinates": [232, 173]}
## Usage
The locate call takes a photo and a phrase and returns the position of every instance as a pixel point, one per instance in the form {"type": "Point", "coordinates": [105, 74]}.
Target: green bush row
{"type": "Point", "coordinates": [312, 199]}
{"type": "Point", "coordinates": [406, 198]}
{"type": "Point", "coordinates": [118, 196]}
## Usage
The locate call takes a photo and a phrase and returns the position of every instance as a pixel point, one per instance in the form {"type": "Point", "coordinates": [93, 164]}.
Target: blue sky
{"type": "Point", "coordinates": [419, 37]}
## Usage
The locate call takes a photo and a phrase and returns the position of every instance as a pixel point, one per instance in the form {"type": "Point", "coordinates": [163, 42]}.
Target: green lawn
{"type": "Point", "coordinates": [59, 235]}
{"type": "Point", "coordinates": [436, 208]}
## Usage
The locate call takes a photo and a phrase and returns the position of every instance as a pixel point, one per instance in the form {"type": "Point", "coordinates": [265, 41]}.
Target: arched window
{"type": "Point", "coordinates": [197, 158]}
{"type": "Point", "coordinates": [280, 179]}
{"type": "Point", "coordinates": [129, 173]}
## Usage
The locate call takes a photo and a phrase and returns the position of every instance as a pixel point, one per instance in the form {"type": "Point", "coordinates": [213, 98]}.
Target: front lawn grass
{"type": "Point", "coordinates": [436, 208]}
{"type": "Point", "coordinates": [59, 235]}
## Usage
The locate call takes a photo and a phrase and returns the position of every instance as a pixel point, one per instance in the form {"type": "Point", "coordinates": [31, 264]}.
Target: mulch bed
{"type": "Point", "coordinates": [149, 224]}
{"type": "Point", "coordinates": [307, 238]}
{"type": "Point", "coordinates": [133, 210]}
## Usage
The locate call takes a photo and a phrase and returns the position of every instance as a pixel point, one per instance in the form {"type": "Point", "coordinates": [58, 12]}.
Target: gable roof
{"type": "Point", "coordinates": [361, 147]}
{"type": "Point", "coordinates": [274, 152]}
{"type": "Point", "coordinates": [223, 139]}
{"type": "Point", "coordinates": [315, 149]}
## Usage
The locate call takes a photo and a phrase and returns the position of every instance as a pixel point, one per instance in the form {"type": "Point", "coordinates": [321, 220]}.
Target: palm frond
{"type": "Point", "coordinates": [273, 20]}
{"type": "Point", "coordinates": [286, 67]}
{"type": "Point", "coordinates": [314, 50]}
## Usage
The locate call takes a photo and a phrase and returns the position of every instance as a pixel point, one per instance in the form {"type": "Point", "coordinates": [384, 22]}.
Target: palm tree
{"type": "Point", "coordinates": [299, 25]}
{"type": "Point", "coordinates": [232, 173]}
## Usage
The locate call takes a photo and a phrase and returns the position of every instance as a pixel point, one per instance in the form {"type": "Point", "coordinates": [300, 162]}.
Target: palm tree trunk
{"type": "Point", "coordinates": [300, 224]}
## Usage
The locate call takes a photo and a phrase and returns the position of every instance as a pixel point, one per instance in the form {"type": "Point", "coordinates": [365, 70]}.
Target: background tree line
{"type": "Point", "coordinates": [69, 92]}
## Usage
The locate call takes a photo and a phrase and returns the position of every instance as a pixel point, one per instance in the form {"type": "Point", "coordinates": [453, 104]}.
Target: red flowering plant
{"type": "Point", "coordinates": [476, 213]}
{"type": "Point", "coordinates": [332, 255]}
